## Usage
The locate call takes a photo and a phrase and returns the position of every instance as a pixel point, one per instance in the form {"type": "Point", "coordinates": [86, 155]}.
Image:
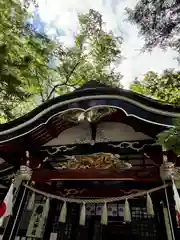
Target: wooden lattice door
{"type": "Point", "coordinates": [142, 227]}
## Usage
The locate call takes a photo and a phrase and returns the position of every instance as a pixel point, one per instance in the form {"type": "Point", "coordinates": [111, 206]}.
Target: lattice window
{"type": "Point", "coordinates": [68, 230]}
{"type": "Point", "coordinates": [64, 231]}
{"type": "Point", "coordinates": [55, 223]}
{"type": "Point", "coordinates": [143, 225]}
{"type": "Point", "coordinates": [114, 209]}
{"type": "Point", "coordinates": [139, 213]}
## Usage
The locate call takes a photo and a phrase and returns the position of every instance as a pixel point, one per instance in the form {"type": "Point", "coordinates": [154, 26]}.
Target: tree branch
{"type": "Point", "coordinates": [41, 90]}
{"type": "Point", "coordinates": [73, 69]}
{"type": "Point", "coordinates": [53, 90]}
{"type": "Point", "coordinates": [65, 83]}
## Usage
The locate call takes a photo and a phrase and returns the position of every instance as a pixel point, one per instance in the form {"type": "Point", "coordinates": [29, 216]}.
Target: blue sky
{"type": "Point", "coordinates": [61, 16]}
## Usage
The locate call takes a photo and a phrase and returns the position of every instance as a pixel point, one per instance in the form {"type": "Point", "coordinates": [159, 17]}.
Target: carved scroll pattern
{"type": "Point", "coordinates": [132, 145]}
{"type": "Point", "coordinates": [59, 149]}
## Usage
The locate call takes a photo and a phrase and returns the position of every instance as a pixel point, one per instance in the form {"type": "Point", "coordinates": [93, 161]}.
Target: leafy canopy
{"type": "Point", "coordinates": [23, 57]}
{"type": "Point", "coordinates": [34, 68]}
{"type": "Point", "coordinates": [93, 57]}
{"type": "Point", "coordinates": [171, 138]}
{"type": "Point", "coordinates": [158, 22]}
{"type": "Point", "coordinates": [164, 87]}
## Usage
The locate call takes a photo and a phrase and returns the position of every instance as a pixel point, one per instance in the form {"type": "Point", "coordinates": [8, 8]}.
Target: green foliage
{"type": "Point", "coordinates": [23, 57]}
{"type": "Point", "coordinates": [158, 22]}
{"type": "Point", "coordinates": [171, 138]}
{"type": "Point", "coordinates": [93, 57]}
{"type": "Point", "coordinates": [26, 75]}
{"type": "Point", "coordinates": [164, 87]}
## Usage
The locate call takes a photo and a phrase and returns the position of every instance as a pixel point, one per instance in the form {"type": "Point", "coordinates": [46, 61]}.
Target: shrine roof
{"type": "Point", "coordinates": [51, 118]}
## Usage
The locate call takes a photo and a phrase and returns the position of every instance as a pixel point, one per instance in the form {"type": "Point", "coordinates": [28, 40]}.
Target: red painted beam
{"type": "Point", "coordinates": [134, 174]}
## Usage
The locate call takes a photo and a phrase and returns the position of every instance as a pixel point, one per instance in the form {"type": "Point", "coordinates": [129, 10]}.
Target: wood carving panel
{"type": "Point", "coordinates": [94, 161]}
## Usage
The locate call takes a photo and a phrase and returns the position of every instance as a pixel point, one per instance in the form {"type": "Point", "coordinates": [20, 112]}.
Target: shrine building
{"type": "Point", "coordinates": [87, 166]}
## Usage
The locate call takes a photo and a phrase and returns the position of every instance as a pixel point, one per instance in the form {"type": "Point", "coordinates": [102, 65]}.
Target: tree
{"type": "Point", "coordinates": [158, 22]}
{"type": "Point", "coordinates": [93, 56]}
{"type": "Point", "coordinates": [23, 57]}
{"type": "Point", "coordinates": [34, 68]}
{"type": "Point", "coordinates": [164, 87]}
{"type": "Point", "coordinates": [171, 139]}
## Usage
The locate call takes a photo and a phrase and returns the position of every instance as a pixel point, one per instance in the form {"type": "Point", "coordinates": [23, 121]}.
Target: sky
{"type": "Point", "coordinates": [60, 16]}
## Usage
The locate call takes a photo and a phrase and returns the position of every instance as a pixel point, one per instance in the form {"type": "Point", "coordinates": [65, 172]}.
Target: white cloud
{"type": "Point", "coordinates": [62, 14]}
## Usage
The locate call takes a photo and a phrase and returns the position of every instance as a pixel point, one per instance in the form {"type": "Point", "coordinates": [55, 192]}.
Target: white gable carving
{"type": "Point", "coordinates": [114, 131]}
{"type": "Point", "coordinates": [107, 131]}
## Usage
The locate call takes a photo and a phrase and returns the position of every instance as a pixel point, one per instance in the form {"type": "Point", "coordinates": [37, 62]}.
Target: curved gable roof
{"type": "Point", "coordinates": [93, 95]}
